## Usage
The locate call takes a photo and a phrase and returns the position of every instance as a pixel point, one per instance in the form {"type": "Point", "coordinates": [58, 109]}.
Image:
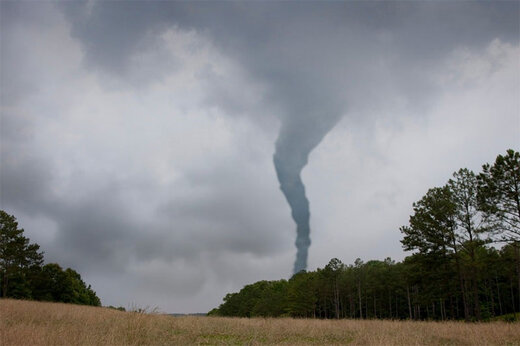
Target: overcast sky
{"type": "Point", "coordinates": [137, 139]}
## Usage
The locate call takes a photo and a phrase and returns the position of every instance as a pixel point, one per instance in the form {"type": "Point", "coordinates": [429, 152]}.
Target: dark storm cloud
{"type": "Point", "coordinates": [25, 181]}
{"type": "Point", "coordinates": [296, 46]}
{"type": "Point", "coordinates": [315, 62]}
{"type": "Point", "coordinates": [222, 217]}
{"type": "Point", "coordinates": [99, 230]}
{"type": "Point", "coordinates": [318, 60]}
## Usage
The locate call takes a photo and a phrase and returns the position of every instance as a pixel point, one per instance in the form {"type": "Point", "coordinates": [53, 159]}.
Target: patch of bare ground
{"type": "Point", "coordinates": [38, 323]}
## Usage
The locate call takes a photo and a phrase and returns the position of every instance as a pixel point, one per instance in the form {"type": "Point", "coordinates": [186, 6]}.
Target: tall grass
{"type": "Point", "coordinates": [38, 323]}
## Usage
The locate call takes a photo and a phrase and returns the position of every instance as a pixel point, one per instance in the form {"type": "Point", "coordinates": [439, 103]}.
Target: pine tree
{"type": "Point", "coordinates": [17, 255]}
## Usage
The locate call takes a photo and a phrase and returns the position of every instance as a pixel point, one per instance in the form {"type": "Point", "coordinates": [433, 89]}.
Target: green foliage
{"type": "Point", "coordinates": [302, 295]}
{"type": "Point", "coordinates": [213, 312]}
{"type": "Point", "coordinates": [24, 277]}
{"type": "Point", "coordinates": [499, 195]}
{"type": "Point", "coordinates": [261, 299]}
{"type": "Point", "coordinates": [509, 318]}
{"type": "Point", "coordinates": [420, 287]}
{"type": "Point", "coordinates": [431, 229]}
{"type": "Point", "coordinates": [55, 284]}
{"type": "Point", "coordinates": [17, 257]}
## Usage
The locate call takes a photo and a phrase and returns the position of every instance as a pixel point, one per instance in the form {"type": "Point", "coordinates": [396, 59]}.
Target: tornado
{"type": "Point", "coordinates": [297, 138]}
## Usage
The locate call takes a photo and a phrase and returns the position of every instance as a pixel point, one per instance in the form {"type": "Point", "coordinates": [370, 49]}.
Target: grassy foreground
{"type": "Point", "coordinates": [38, 323]}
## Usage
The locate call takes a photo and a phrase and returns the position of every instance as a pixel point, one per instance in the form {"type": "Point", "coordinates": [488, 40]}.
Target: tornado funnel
{"type": "Point", "coordinates": [293, 146]}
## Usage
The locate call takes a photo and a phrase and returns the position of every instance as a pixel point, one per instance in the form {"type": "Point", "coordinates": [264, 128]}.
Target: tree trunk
{"type": "Point", "coordinates": [417, 305]}
{"type": "Point", "coordinates": [498, 294]}
{"type": "Point", "coordinates": [512, 296]}
{"type": "Point", "coordinates": [390, 303]}
{"type": "Point", "coordinates": [336, 299]}
{"type": "Point", "coordinates": [4, 284]}
{"type": "Point", "coordinates": [409, 301]}
{"type": "Point", "coordinates": [352, 307]}
{"type": "Point", "coordinates": [462, 289]}
{"type": "Point", "coordinates": [396, 307]}
{"type": "Point", "coordinates": [375, 307]}
{"type": "Point", "coordinates": [360, 301]}
{"type": "Point", "coordinates": [366, 305]}
{"type": "Point", "coordinates": [517, 244]}
{"type": "Point", "coordinates": [474, 283]}
{"type": "Point", "coordinates": [491, 296]}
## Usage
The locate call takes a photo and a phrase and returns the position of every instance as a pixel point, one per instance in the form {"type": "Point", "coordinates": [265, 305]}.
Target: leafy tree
{"type": "Point", "coordinates": [509, 270]}
{"type": "Point", "coordinates": [17, 255]}
{"type": "Point", "coordinates": [359, 275]}
{"type": "Point", "coordinates": [463, 187]}
{"type": "Point", "coordinates": [23, 276]}
{"type": "Point", "coordinates": [272, 301]}
{"type": "Point", "coordinates": [331, 273]}
{"type": "Point", "coordinates": [51, 284]}
{"type": "Point", "coordinates": [231, 305]}
{"type": "Point", "coordinates": [263, 298]}
{"type": "Point", "coordinates": [499, 195]}
{"type": "Point", "coordinates": [81, 293]}
{"type": "Point", "coordinates": [423, 286]}
{"type": "Point", "coordinates": [301, 295]}
{"type": "Point", "coordinates": [431, 229]}
{"type": "Point", "coordinates": [499, 199]}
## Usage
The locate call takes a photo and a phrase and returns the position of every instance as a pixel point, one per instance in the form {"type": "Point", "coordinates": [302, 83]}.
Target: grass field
{"type": "Point", "coordinates": [37, 323]}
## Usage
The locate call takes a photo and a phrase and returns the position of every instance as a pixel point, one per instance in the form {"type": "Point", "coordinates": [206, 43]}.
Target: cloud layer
{"type": "Point", "coordinates": [137, 138]}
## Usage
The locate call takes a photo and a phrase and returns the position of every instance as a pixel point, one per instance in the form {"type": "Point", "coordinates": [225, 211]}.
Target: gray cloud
{"type": "Point", "coordinates": [148, 159]}
{"type": "Point", "coordinates": [316, 59]}
{"type": "Point", "coordinates": [309, 54]}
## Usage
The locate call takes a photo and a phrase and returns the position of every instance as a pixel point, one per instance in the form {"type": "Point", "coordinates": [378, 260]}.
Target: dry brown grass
{"type": "Point", "coordinates": [36, 323]}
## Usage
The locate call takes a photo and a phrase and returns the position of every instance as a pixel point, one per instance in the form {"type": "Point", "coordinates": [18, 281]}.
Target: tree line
{"type": "Point", "coordinates": [24, 276]}
{"type": "Point", "coordinates": [465, 262]}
